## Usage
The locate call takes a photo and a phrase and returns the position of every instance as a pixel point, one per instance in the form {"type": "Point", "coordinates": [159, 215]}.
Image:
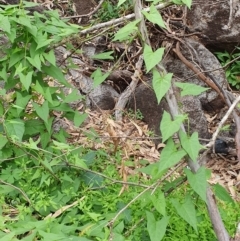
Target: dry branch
{"type": "Point", "coordinates": [123, 99]}
{"type": "Point", "coordinates": [209, 82]}
{"type": "Point", "coordinates": [194, 166]}
{"type": "Point", "coordinates": [215, 134]}
{"type": "Point", "coordinates": [118, 21]}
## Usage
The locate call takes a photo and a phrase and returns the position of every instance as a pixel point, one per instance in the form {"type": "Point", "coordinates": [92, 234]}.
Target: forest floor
{"type": "Point", "coordinates": [139, 144]}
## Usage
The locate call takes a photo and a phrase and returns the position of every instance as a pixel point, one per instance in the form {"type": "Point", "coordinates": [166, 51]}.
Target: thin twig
{"type": "Point", "coordinates": [123, 99]}
{"type": "Point", "coordinates": [123, 209]}
{"type": "Point", "coordinates": [118, 21]}
{"type": "Point", "coordinates": [209, 82]}
{"type": "Point", "coordinates": [223, 120]}
{"type": "Point", "coordinates": [106, 177]}
{"type": "Point", "coordinates": [18, 189]}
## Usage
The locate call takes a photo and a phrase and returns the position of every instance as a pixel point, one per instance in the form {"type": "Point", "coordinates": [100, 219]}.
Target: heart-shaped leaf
{"type": "Point", "coordinates": [198, 181]}
{"type": "Point", "coordinates": [186, 211]}
{"type": "Point", "coordinates": [154, 16]}
{"type": "Point", "coordinates": [98, 77]}
{"type": "Point", "coordinates": [156, 229]}
{"type": "Point", "coordinates": [169, 127]}
{"type": "Point", "coordinates": [190, 144]}
{"type": "Point", "coordinates": [42, 111]}
{"type": "Point", "coordinates": [190, 89]}
{"type": "Point", "coordinates": [170, 156]}
{"type": "Point", "coordinates": [161, 84]}
{"type": "Point", "coordinates": [123, 33]}
{"type": "Point", "coordinates": [151, 58]}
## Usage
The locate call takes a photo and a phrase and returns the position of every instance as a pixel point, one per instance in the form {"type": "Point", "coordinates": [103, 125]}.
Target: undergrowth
{"type": "Point", "coordinates": [233, 67]}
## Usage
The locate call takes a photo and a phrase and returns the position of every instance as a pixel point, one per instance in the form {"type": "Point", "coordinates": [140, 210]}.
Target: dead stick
{"type": "Point", "coordinates": [118, 21]}
{"type": "Point", "coordinates": [205, 79]}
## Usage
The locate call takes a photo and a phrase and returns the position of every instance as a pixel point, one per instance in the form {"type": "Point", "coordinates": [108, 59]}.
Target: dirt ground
{"type": "Point", "coordinates": [83, 6]}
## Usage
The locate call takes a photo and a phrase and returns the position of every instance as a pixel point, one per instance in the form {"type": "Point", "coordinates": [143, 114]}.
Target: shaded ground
{"type": "Point", "coordinates": [83, 6]}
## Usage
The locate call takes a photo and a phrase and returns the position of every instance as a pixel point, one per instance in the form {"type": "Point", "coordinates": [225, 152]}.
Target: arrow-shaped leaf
{"type": "Point", "coordinates": [42, 111]}
{"type": "Point", "coordinates": [169, 127]}
{"type": "Point", "coordinates": [154, 16]}
{"type": "Point", "coordinates": [98, 77]}
{"type": "Point", "coordinates": [151, 58]}
{"type": "Point", "coordinates": [198, 181]}
{"type": "Point", "coordinates": [123, 33]}
{"type": "Point", "coordinates": [105, 55]}
{"type": "Point", "coordinates": [15, 128]}
{"type": "Point", "coordinates": [161, 84]}
{"type": "Point", "coordinates": [186, 211]}
{"type": "Point", "coordinates": [190, 89]}
{"type": "Point", "coordinates": [170, 156]}
{"type": "Point", "coordinates": [190, 144]}
{"type": "Point", "coordinates": [156, 229]}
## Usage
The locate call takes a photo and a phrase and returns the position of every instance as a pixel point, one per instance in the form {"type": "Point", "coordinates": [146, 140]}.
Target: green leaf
{"type": "Point", "coordinates": [98, 77]}
{"type": "Point", "coordinates": [105, 55]}
{"type": "Point", "coordinates": [124, 33]}
{"type": "Point", "coordinates": [15, 128]}
{"type": "Point", "coordinates": [151, 170]}
{"type": "Point", "coordinates": [156, 229]}
{"type": "Point", "coordinates": [48, 124]}
{"type": "Point", "coordinates": [188, 3]}
{"type": "Point", "coordinates": [221, 193]}
{"type": "Point", "coordinates": [5, 24]}
{"type": "Point", "coordinates": [92, 179]}
{"type": "Point", "coordinates": [25, 21]}
{"type": "Point", "coordinates": [170, 156]}
{"type": "Point", "coordinates": [19, 69]}
{"type": "Point", "coordinates": [3, 141]}
{"type": "Point", "coordinates": [186, 211]}
{"type": "Point", "coordinates": [73, 96]}
{"type": "Point", "coordinates": [161, 84]}
{"type": "Point", "coordinates": [79, 118]}
{"type": "Point", "coordinates": [154, 16]}
{"type": "Point", "coordinates": [190, 144]}
{"type": "Point", "coordinates": [35, 61]}
{"type": "Point", "coordinates": [61, 146]}
{"type": "Point", "coordinates": [8, 237]}
{"type": "Point", "coordinates": [169, 127]}
{"type": "Point", "coordinates": [56, 73]}
{"type": "Point", "coordinates": [151, 58]}
{"type": "Point", "coordinates": [80, 162]}
{"type": "Point", "coordinates": [1, 108]}
{"type": "Point", "coordinates": [42, 40]}
{"type": "Point", "coordinates": [120, 2]}
{"type": "Point", "coordinates": [190, 89]}
{"type": "Point", "coordinates": [15, 58]}
{"type": "Point", "coordinates": [31, 236]}
{"type": "Point", "coordinates": [32, 144]}
{"type": "Point", "coordinates": [159, 202]}
{"type": "Point", "coordinates": [119, 228]}
{"type": "Point", "coordinates": [22, 99]}
{"type": "Point", "coordinates": [26, 80]}
{"type": "Point", "coordinates": [48, 96]}
{"type": "Point", "coordinates": [45, 139]}
{"type": "Point", "coordinates": [42, 111]}
{"type": "Point", "coordinates": [34, 127]}
{"type": "Point", "coordinates": [198, 181]}
{"type": "Point", "coordinates": [47, 164]}
{"type": "Point", "coordinates": [51, 236]}
{"type": "Point", "coordinates": [50, 57]}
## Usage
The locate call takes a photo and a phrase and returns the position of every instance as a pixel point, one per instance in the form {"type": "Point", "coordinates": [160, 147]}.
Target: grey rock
{"type": "Point", "coordinates": [219, 29]}
{"type": "Point", "coordinates": [144, 97]}
{"type": "Point", "coordinates": [200, 56]}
